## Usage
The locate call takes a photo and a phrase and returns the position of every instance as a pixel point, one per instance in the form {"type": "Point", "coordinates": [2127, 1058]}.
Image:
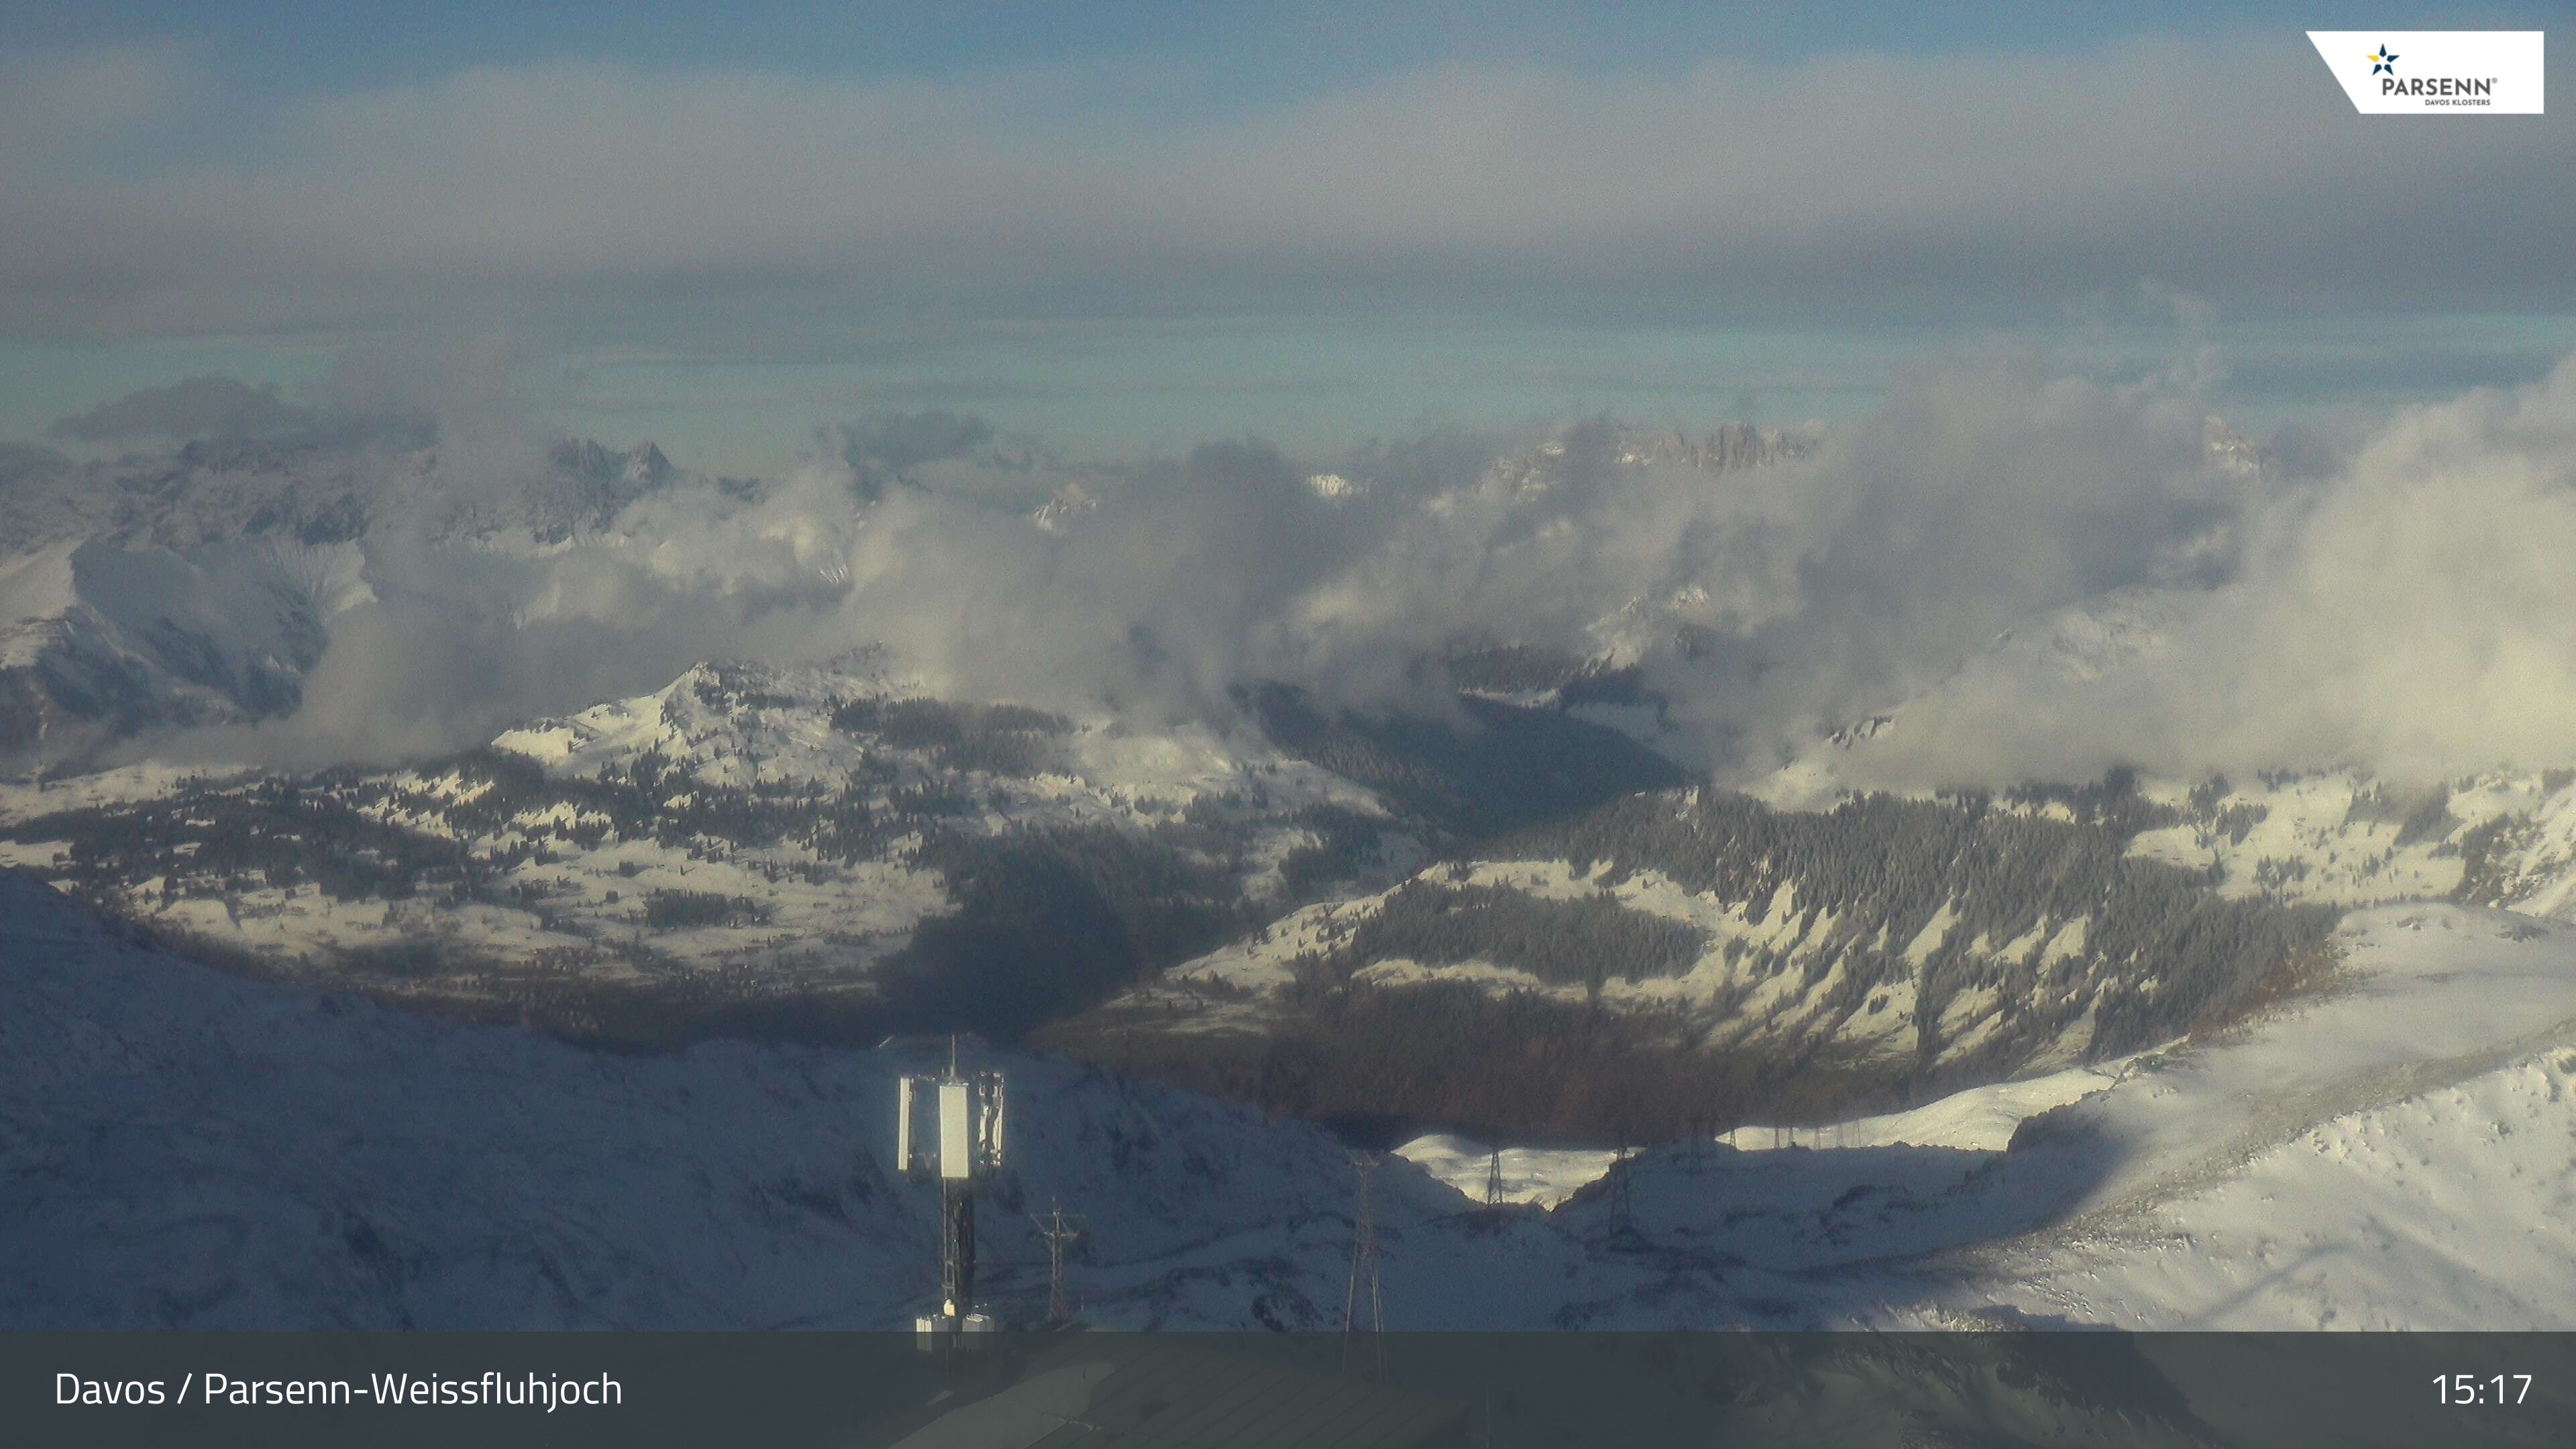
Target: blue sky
{"type": "Point", "coordinates": [1132, 226]}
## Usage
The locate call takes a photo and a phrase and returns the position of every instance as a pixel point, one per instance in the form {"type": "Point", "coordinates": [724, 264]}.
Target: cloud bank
{"type": "Point", "coordinates": [2041, 575]}
{"type": "Point", "coordinates": [2412, 612]}
{"type": "Point", "coordinates": [1858, 184]}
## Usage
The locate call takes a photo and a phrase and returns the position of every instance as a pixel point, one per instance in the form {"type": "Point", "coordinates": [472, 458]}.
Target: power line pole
{"type": "Point", "coordinates": [1059, 1236]}
{"type": "Point", "coordinates": [1364, 1266]}
{"type": "Point", "coordinates": [1621, 1212]}
{"type": "Point", "coordinates": [1494, 1179]}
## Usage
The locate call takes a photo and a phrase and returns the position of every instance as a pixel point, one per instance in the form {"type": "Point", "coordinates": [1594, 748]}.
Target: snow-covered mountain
{"type": "Point", "coordinates": [309, 491]}
{"type": "Point", "coordinates": [749, 832]}
{"type": "Point", "coordinates": [1730, 445]}
{"type": "Point", "coordinates": [787, 840]}
{"type": "Point", "coordinates": [1818, 948]}
{"type": "Point", "coordinates": [199, 587]}
{"type": "Point", "coordinates": [2392, 1153]}
{"type": "Point", "coordinates": [99, 643]}
{"type": "Point", "coordinates": [191, 1149]}
{"type": "Point", "coordinates": [1727, 448]}
{"type": "Point", "coordinates": [1691, 956]}
{"type": "Point", "coordinates": [570, 520]}
{"type": "Point", "coordinates": [2340, 836]}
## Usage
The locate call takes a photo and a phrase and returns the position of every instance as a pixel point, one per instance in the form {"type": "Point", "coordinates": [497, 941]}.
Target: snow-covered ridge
{"type": "Point", "coordinates": [2347, 838]}
{"type": "Point", "coordinates": [198, 588]}
{"type": "Point", "coordinates": [315, 490]}
{"type": "Point", "coordinates": [1728, 446]}
{"type": "Point", "coordinates": [2338, 835]}
{"type": "Point", "coordinates": [2389, 1155]}
{"type": "Point", "coordinates": [98, 642]}
{"type": "Point", "coordinates": [294, 1161]}
{"type": "Point", "coordinates": [748, 828]}
{"type": "Point", "coordinates": [1980, 1119]}
{"type": "Point", "coordinates": [1913, 944]}
{"type": "Point", "coordinates": [206, 1152]}
{"type": "Point", "coordinates": [2342, 837]}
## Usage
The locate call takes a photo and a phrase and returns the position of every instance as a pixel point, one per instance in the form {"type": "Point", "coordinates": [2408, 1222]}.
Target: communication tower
{"type": "Point", "coordinates": [948, 1129]}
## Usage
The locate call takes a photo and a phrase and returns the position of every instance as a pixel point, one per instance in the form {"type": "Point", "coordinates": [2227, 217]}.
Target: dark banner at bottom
{"type": "Point", "coordinates": [1439, 1391]}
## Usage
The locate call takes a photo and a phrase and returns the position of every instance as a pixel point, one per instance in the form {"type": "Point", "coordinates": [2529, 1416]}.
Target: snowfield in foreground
{"type": "Point", "coordinates": [192, 1150]}
{"type": "Point", "coordinates": [2399, 1155]}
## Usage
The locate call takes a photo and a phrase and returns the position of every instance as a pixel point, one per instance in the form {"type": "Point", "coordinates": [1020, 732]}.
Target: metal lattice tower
{"type": "Point", "coordinates": [1059, 1235]}
{"type": "Point", "coordinates": [956, 1249]}
{"type": "Point", "coordinates": [1364, 1265]}
{"type": "Point", "coordinates": [1494, 1179]}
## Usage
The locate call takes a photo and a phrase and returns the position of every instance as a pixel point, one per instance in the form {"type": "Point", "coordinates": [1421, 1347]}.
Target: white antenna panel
{"type": "Point", "coordinates": [903, 1125]}
{"type": "Point", "coordinates": [989, 1127]}
{"type": "Point", "coordinates": [956, 1129]}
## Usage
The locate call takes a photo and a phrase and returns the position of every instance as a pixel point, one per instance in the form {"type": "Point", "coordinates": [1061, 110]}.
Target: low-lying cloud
{"type": "Point", "coordinates": [2413, 612]}
{"type": "Point", "coordinates": [2041, 576]}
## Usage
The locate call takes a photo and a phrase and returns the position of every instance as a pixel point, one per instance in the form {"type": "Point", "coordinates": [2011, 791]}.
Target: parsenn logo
{"type": "Point", "coordinates": [2448, 72]}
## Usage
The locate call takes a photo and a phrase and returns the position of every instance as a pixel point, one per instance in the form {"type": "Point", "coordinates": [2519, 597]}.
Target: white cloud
{"type": "Point", "coordinates": [2412, 611]}
{"type": "Point", "coordinates": [2406, 604]}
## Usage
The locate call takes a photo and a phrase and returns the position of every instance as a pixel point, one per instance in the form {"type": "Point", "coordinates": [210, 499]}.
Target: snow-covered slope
{"type": "Point", "coordinates": [1745, 959]}
{"type": "Point", "coordinates": [2346, 838]}
{"type": "Point", "coordinates": [2396, 1152]}
{"type": "Point", "coordinates": [1545, 1176]}
{"type": "Point", "coordinates": [99, 642]}
{"type": "Point", "coordinates": [748, 832]}
{"type": "Point", "coordinates": [2339, 836]}
{"type": "Point", "coordinates": [734, 724]}
{"type": "Point", "coordinates": [1981, 1119]}
{"type": "Point", "coordinates": [2342, 837]}
{"type": "Point", "coordinates": [310, 490]}
{"type": "Point", "coordinates": [198, 587]}
{"type": "Point", "coordinates": [188, 1149]}
{"type": "Point", "coordinates": [192, 1150]}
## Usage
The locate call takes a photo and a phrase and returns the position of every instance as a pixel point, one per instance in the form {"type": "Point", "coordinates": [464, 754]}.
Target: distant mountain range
{"type": "Point", "coordinates": [760, 843]}
{"type": "Point", "coordinates": [197, 588]}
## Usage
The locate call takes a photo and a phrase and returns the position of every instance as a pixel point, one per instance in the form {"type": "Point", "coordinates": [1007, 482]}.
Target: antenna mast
{"type": "Point", "coordinates": [1059, 1236]}
{"type": "Point", "coordinates": [1494, 1179]}
{"type": "Point", "coordinates": [949, 1128]}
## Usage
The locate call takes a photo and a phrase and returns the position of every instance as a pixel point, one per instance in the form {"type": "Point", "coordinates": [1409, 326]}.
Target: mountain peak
{"type": "Point", "coordinates": [1725, 447]}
